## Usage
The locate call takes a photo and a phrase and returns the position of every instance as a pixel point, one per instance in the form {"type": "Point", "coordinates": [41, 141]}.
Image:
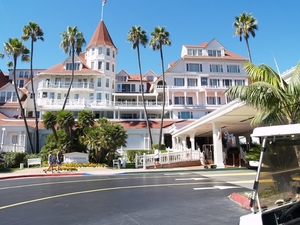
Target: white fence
{"type": "Point", "coordinates": [167, 158]}
{"type": "Point", "coordinates": [12, 148]}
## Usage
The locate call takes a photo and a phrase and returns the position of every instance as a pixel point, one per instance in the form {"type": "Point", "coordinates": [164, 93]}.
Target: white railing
{"type": "Point", "coordinates": [167, 158]}
{"type": "Point", "coordinates": [12, 148]}
{"type": "Point", "coordinates": [84, 85]}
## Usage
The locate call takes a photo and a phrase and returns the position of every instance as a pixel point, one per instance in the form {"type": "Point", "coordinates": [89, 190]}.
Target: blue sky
{"type": "Point", "coordinates": [188, 21]}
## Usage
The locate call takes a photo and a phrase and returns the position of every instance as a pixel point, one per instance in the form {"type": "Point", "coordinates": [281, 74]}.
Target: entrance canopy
{"type": "Point", "coordinates": [234, 117]}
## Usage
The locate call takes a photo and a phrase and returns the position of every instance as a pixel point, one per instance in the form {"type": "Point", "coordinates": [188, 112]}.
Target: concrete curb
{"type": "Point", "coordinates": [238, 198]}
{"type": "Point", "coordinates": [40, 175]}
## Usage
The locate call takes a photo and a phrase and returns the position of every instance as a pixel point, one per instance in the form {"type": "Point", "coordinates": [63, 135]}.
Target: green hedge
{"type": "Point", "coordinates": [13, 159]}
{"type": "Point", "coordinates": [131, 153]}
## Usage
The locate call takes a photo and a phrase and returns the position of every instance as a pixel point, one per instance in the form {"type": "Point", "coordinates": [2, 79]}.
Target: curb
{"type": "Point", "coordinates": [243, 201]}
{"type": "Point", "coordinates": [41, 175]}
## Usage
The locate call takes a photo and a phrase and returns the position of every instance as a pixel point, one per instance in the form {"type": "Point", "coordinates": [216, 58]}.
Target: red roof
{"type": "Point", "coordinates": [101, 37]}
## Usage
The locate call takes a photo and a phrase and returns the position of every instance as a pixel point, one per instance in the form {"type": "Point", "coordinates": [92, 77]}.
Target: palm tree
{"type": "Point", "coordinates": [49, 121]}
{"type": "Point", "coordinates": [276, 101]}
{"type": "Point", "coordinates": [161, 37]}
{"type": "Point", "coordinates": [86, 118]}
{"type": "Point", "coordinates": [138, 37]}
{"type": "Point", "coordinates": [34, 32]}
{"type": "Point", "coordinates": [245, 25]}
{"type": "Point", "coordinates": [15, 48]}
{"type": "Point", "coordinates": [72, 40]}
{"type": "Point", "coordinates": [66, 121]}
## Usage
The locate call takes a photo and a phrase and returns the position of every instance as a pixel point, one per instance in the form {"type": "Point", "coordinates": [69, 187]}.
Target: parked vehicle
{"type": "Point", "coordinates": [276, 190]}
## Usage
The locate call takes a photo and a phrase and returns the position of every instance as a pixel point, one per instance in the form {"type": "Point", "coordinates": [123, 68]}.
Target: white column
{"type": "Point", "coordinates": [216, 96]}
{"type": "Point", "coordinates": [185, 98]}
{"type": "Point", "coordinates": [218, 148]}
{"type": "Point", "coordinates": [2, 136]}
{"type": "Point", "coordinates": [140, 114]}
{"type": "Point", "coordinates": [197, 97]}
{"type": "Point", "coordinates": [173, 142]}
{"type": "Point", "coordinates": [205, 96]}
{"type": "Point", "coordinates": [192, 139]}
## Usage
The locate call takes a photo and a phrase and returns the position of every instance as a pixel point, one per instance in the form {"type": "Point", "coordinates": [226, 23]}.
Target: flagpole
{"type": "Point", "coordinates": [102, 10]}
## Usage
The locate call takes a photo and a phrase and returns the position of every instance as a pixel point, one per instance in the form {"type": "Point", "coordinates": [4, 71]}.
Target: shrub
{"type": "Point", "coordinates": [131, 153]}
{"type": "Point", "coordinates": [13, 159]}
{"type": "Point", "coordinates": [163, 146]}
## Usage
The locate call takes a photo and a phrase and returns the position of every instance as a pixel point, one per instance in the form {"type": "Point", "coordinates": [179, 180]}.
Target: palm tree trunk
{"type": "Point", "coordinates": [72, 78]}
{"type": "Point", "coordinates": [37, 143]}
{"type": "Point", "coordinates": [143, 98]}
{"type": "Point", "coordinates": [163, 106]}
{"type": "Point", "coordinates": [21, 107]}
{"type": "Point", "coordinates": [248, 49]}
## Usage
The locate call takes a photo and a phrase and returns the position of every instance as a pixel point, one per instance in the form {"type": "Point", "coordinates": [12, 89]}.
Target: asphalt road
{"type": "Point", "coordinates": [145, 199]}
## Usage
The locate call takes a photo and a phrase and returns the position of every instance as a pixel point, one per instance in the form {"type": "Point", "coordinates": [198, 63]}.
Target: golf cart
{"type": "Point", "coordinates": [276, 190]}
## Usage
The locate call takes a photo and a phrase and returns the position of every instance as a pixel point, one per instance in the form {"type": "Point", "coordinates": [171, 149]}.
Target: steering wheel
{"type": "Point", "coordinates": [289, 211]}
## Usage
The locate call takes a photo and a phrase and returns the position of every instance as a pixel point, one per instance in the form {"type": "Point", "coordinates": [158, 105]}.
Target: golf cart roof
{"type": "Point", "coordinates": [276, 130]}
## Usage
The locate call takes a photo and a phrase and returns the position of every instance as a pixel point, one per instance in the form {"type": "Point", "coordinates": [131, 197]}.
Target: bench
{"type": "Point", "coordinates": [116, 163]}
{"type": "Point", "coordinates": [34, 161]}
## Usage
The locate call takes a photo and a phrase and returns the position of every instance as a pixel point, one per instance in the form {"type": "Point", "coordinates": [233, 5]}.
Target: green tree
{"type": "Point", "coordinates": [86, 118]}
{"type": "Point", "coordinates": [72, 41]}
{"type": "Point", "coordinates": [49, 121]}
{"type": "Point", "coordinates": [34, 32]}
{"type": "Point", "coordinates": [161, 37]}
{"type": "Point", "coordinates": [138, 37]}
{"type": "Point", "coordinates": [245, 25]}
{"type": "Point", "coordinates": [15, 48]}
{"type": "Point", "coordinates": [66, 121]}
{"type": "Point", "coordinates": [276, 101]}
{"type": "Point", "coordinates": [104, 139]}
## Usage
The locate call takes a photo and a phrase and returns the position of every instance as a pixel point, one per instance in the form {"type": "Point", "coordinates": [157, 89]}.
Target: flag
{"type": "Point", "coordinates": [103, 2]}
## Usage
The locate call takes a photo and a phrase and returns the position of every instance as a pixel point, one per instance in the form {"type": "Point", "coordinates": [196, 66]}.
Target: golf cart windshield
{"type": "Point", "coordinates": [279, 177]}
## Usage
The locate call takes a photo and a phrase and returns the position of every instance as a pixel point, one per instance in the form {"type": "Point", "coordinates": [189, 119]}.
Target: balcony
{"type": "Point", "coordinates": [65, 85]}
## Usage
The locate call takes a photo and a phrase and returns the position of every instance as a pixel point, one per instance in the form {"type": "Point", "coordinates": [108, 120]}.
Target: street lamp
{"type": "Point", "coordinates": [2, 137]}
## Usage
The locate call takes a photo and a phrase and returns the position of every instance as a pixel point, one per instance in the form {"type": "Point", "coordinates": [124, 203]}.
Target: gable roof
{"type": "Point", "coordinates": [101, 37]}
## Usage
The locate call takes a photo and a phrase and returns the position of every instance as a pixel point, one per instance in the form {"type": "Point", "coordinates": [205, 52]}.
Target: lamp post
{"type": "Point", "coordinates": [2, 137]}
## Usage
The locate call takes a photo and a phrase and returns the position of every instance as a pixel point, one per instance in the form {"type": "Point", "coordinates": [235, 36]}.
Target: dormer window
{"type": "Point", "coordinates": [121, 78]}
{"type": "Point", "coordinates": [69, 66]}
{"type": "Point", "coordinates": [214, 53]}
{"type": "Point", "coordinates": [195, 52]}
{"type": "Point", "coordinates": [150, 78]}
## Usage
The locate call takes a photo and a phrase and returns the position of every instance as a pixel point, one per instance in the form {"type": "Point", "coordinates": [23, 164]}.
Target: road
{"type": "Point", "coordinates": [147, 199]}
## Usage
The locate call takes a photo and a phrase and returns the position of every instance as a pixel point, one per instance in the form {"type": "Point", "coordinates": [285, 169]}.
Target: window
{"type": "Point", "coordinates": [107, 96]}
{"type": "Point", "coordinates": [107, 83]}
{"type": "Point", "coordinates": [141, 87]}
{"type": "Point", "coordinates": [195, 52]}
{"type": "Point", "coordinates": [150, 78]}
{"type": "Point", "coordinates": [203, 81]}
{"type": "Point", "coordinates": [69, 66]}
{"type": "Point", "coordinates": [99, 96]}
{"type": "Point", "coordinates": [189, 100]}
{"type": "Point", "coordinates": [21, 83]}
{"type": "Point", "coordinates": [14, 139]}
{"type": "Point", "coordinates": [185, 115]}
{"type": "Point", "coordinates": [192, 82]}
{"type": "Point", "coordinates": [227, 83]}
{"type": "Point", "coordinates": [99, 65]}
{"type": "Point", "coordinates": [132, 87]}
{"type": "Point", "coordinates": [119, 88]}
{"type": "Point", "coordinates": [76, 96]}
{"type": "Point", "coordinates": [178, 81]}
{"type": "Point", "coordinates": [26, 74]}
{"type": "Point", "coordinates": [179, 101]}
{"type": "Point", "coordinates": [216, 68]}
{"type": "Point", "coordinates": [51, 95]}
{"type": "Point", "coordinates": [58, 80]}
{"type": "Point", "coordinates": [21, 74]}
{"type": "Point", "coordinates": [214, 53]}
{"type": "Point", "coordinates": [67, 81]}
{"type": "Point", "coordinates": [91, 96]}
{"type": "Point", "coordinates": [99, 82]}
{"type": "Point", "coordinates": [15, 99]}
{"type": "Point", "coordinates": [100, 51]}
{"type": "Point", "coordinates": [214, 82]}
{"type": "Point", "coordinates": [113, 54]}
{"type": "Point", "coordinates": [212, 100]}
{"type": "Point", "coordinates": [107, 66]}
{"type": "Point", "coordinates": [113, 67]}
{"type": "Point", "coordinates": [2, 97]}
{"type": "Point", "coordinates": [108, 51]}
{"type": "Point", "coordinates": [58, 95]}
{"type": "Point", "coordinates": [239, 82]}
{"type": "Point", "coordinates": [30, 114]}
{"type": "Point", "coordinates": [121, 78]}
{"type": "Point", "coordinates": [113, 85]}
{"type": "Point", "coordinates": [233, 68]}
{"type": "Point", "coordinates": [194, 67]}
{"type": "Point", "coordinates": [92, 65]}
{"type": "Point", "coordinates": [45, 95]}
{"type": "Point", "coordinates": [8, 96]}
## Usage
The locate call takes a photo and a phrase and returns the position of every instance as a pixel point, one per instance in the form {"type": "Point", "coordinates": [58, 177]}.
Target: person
{"type": "Point", "coordinates": [50, 162]}
{"type": "Point", "coordinates": [59, 159]}
{"type": "Point", "coordinates": [202, 158]}
{"type": "Point", "coordinates": [156, 157]}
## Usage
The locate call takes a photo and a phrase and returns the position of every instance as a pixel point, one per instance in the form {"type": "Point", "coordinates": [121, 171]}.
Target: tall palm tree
{"type": "Point", "coordinates": [15, 48]}
{"type": "Point", "coordinates": [34, 32]}
{"type": "Point", "coordinates": [86, 118]}
{"type": "Point", "coordinates": [72, 41]}
{"type": "Point", "coordinates": [245, 25]}
{"type": "Point", "coordinates": [138, 37]}
{"type": "Point", "coordinates": [276, 101]}
{"type": "Point", "coordinates": [49, 121]}
{"type": "Point", "coordinates": [161, 37]}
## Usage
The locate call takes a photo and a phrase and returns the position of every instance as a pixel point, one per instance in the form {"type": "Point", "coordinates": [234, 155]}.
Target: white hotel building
{"type": "Point", "coordinates": [195, 86]}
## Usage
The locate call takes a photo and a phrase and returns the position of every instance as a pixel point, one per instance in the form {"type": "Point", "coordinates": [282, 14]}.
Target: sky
{"type": "Point", "coordinates": [189, 22]}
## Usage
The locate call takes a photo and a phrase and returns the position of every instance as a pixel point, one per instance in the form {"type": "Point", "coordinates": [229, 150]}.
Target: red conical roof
{"type": "Point", "coordinates": [101, 37]}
